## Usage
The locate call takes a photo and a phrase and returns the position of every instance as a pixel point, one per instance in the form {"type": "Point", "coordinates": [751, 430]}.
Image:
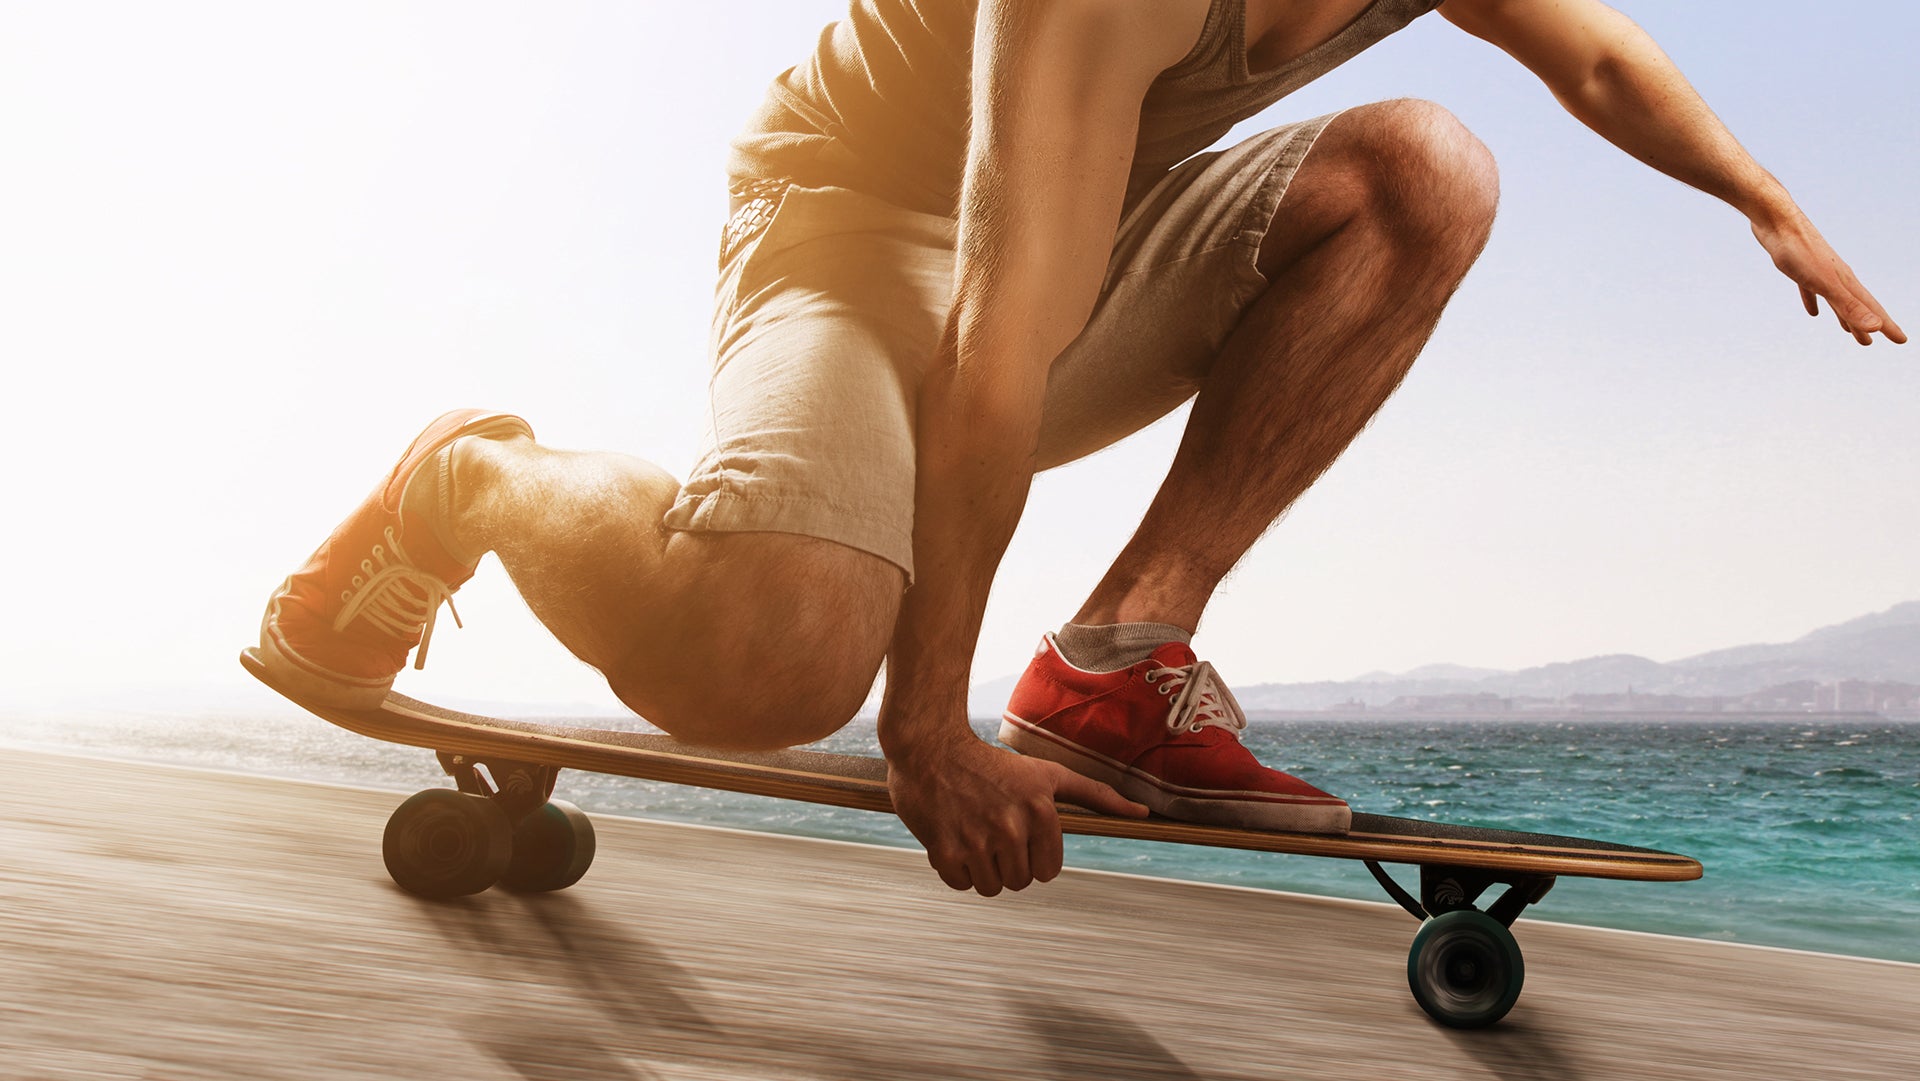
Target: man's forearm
{"type": "Point", "coordinates": [1633, 96]}
{"type": "Point", "coordinates": [1616, 80]}
{"type": "Point", "coordinates": [1611, 75]}
{"type": "Point", "coordinates": [1056, 109]}
{"type": "Point", "coordinates": [975, 464]}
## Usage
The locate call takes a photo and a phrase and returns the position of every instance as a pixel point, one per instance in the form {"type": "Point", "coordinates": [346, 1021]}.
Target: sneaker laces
{"type": "Point", "coordinates": [1200, 698]}
{"type": "Point", "coordinates": [396, 597]}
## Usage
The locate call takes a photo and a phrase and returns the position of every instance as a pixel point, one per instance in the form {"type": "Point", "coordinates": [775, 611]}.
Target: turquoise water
{"type": "Point", "coordinates": [1806, 828]}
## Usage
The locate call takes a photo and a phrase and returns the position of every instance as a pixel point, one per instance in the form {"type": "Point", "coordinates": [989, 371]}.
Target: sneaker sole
{"type": "Point", "coordinates": [304, 681]}
{"type": "Point", "coordinates": [1257, 811]}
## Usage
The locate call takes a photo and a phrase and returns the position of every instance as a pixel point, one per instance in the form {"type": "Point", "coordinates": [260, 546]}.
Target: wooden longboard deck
{"type": "Point", "coordinates": [861, 782]}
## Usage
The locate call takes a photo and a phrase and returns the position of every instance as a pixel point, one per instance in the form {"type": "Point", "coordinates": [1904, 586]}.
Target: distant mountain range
{"type": "Point", "coordinates": [1883, 647]}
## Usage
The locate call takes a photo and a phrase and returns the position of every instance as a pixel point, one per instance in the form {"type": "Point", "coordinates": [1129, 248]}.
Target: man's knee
{"type": "Point", "coordinates": [763, 710]}
{"type": "Point", "coordinates": [774, 641]}
{"type": "Point", "coordinates": [1424, 171]}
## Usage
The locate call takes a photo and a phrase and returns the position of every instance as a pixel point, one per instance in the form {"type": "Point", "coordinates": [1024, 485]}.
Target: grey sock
{"type": "Point", "coordinates": [1109, 647]}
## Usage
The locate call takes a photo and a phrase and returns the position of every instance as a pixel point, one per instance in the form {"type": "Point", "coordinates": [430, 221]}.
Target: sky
{"type": "Point", "coordinates": [247, 250]}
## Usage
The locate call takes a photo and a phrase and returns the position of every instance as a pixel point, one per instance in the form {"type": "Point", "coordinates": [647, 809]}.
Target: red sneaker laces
{"type": "Point", "coordinates": [1202, 699]}
{"type": "Point", "coordinates": [396, 597]}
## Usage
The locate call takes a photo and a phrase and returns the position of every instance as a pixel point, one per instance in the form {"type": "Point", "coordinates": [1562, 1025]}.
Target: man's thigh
{"type": "Point", "coordinates": [823, 326]}
{"type": "Point", "coordinates": [759, 639]}
{"type": "Point", "coordinates": [1183, 272]}
{"type": "Point", "coordinates": [826, 318]}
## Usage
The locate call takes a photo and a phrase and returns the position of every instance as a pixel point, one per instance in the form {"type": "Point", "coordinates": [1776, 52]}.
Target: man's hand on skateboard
{"type": "Point", "coordinates": [987, 817]}
{"type": "Point", "coordinates": [1804, 255]}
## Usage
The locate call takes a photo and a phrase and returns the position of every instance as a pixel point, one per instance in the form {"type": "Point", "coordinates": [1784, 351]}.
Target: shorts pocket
{"type": "Point", "coordinates": [763, 201]}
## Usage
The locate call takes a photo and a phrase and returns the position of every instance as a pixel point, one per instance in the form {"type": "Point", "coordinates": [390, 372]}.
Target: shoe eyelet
{"type": "Point", "coordinates": [1149, 677]}
{"type": "Point", "coordinates": [377, 553]}
{"type": "Point", "coordinates": [1166, 690]}
{"type": "Point", "coordinates": [358, 581]}
{"type": "Point", "coordinates": [346, 595]}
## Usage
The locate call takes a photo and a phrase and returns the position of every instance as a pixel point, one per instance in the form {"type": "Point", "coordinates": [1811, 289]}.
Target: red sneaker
{"type": "Point", "coordinates": [1164, 732]}
{"type": "Point", "coordinates": [338, 631]}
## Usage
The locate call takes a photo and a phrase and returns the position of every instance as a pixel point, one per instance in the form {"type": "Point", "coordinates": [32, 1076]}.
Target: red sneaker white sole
{"type": "Point", "coordinates": [1241, 809]}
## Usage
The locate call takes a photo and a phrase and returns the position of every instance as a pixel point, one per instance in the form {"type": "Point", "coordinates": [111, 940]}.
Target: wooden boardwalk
{"type": "Point", "coordinates": [169, 924]}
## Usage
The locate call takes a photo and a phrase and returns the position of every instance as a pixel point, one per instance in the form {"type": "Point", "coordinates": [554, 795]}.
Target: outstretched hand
{"type": "Point", "coordinates": [987, 817]}
{"type": "Point", "coordinates": [1804, 255]}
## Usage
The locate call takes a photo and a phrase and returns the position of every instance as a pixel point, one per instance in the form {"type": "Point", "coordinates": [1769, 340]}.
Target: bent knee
{"type": "Point", "coordinates": [731, 720]}
{"type": "Point", "coordinates": [1424, 167]}
{"type": "Point", "coordinates": [773, 640]}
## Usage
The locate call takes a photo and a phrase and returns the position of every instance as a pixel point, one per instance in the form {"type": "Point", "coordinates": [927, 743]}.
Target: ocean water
{"type": "Point", "coordinates": [1807, 828]}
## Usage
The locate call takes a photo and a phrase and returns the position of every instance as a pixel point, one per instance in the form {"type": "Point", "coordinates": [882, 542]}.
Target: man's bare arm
{"type": "Point", "coordinates": [1057, 87]}
{"type": "Point", "coordinates": [1609, 74]}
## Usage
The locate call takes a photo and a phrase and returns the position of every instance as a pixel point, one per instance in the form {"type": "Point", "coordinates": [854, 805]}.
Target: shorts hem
{"type": "Point", "coordinates": [730, 512]}
{"type": "Point", "coordinates": [1263, 209]}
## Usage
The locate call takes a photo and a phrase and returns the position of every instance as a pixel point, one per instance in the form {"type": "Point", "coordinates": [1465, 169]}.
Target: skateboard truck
{"type": "Point", "coordinates": [518, 787]}
{"type": "Point", "coordinates": [1451, 889]}
{"type": "Point", "coordinates": [1465, 968]}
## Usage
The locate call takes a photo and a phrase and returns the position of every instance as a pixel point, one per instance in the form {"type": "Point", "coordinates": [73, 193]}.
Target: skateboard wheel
{"type": "Point", "coordinates": [552, 847]}
{"type": "Point", "coordinates": [1465, 969]}
{"type": "Point", "coordinates": [441, 843]}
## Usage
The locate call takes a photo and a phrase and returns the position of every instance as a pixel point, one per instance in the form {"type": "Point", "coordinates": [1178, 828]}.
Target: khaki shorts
{"type": "Point", "coordinates": [831, 304]}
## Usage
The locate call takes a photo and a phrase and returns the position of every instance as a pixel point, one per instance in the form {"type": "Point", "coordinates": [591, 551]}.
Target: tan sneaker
{"type": "Point", "coordinates": [339, 629]}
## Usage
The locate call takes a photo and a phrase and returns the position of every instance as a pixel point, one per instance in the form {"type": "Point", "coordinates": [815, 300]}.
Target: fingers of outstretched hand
{"type": "Point", "coordinates": [1853, 306]}
{"type": "Point", "coordinates": [1853, 316]}
{"type": "Point", "coordinates": [1867, 314]}
{"type": "Point", "coordinates": [1859, 335]}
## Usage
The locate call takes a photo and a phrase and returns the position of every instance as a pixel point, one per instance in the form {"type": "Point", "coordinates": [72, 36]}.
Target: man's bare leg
{"type": "Point", "coordinates": [1379, 226]}
{"type": "Point", "coordinates": [751, 640]}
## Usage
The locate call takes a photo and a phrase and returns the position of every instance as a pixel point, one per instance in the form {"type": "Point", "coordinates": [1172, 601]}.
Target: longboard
{"type": "Point", "coordinates": [501, 827]}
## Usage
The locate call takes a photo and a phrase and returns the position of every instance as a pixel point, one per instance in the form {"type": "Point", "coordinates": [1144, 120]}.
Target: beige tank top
{"type": "Point", "coordinates": [881, 105]}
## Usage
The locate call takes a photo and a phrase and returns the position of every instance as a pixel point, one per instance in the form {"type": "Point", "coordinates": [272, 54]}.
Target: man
{"type": "Point", "coordinates": [973, 239]}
